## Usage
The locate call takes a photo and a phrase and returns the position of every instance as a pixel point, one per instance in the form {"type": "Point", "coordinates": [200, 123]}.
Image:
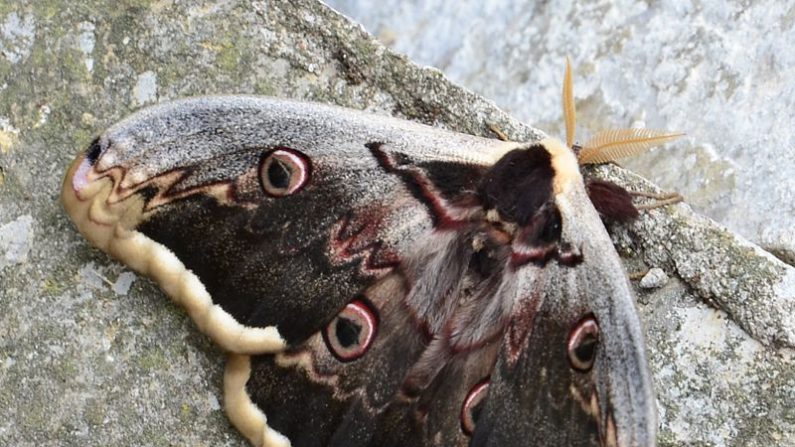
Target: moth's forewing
{"type": "Point", "coordinates": [176, 192]}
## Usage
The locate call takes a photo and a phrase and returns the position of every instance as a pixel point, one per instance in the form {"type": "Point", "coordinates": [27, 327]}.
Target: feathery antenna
{"type": "Point", "coordinates": [612, 144]}
{"type": "Point", "coordinates": [608, 145]}
{"type": "Point", "coordinates": [569, 112]}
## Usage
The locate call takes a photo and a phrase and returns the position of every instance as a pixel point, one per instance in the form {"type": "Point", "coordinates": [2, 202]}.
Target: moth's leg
{"type": "Point", "coordinates": [497, 131]}
{"type": "Point", "coordinates": [660, 200]}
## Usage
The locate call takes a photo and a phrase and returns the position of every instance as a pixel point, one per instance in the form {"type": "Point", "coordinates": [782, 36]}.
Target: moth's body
{"type": "Point", "coordinates": [377, 282]}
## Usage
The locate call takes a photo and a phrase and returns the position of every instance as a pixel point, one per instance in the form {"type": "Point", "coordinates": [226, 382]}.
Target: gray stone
{"type": "Point", "coordinates": [15, 240]}
{"type": "Point", "coordinates": [653, 279]}
{"type": "Point", "coordinates": [82, 365]}
{"type": "Point", "coordinates": [123, 283]}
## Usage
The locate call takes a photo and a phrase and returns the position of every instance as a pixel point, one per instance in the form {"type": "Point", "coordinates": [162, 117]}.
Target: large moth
{"type": "Point", "coordinates": [379, 282]}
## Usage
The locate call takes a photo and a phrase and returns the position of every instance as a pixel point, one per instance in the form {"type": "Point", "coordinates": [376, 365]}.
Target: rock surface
{"type": "Point", "coordinates": [89, 355]}
{"type": "Point", "coordinates": [718, 70]}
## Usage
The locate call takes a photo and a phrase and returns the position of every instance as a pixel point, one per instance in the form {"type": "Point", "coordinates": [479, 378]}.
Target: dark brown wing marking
{"type": "Point", "coordinates": [447, 211]}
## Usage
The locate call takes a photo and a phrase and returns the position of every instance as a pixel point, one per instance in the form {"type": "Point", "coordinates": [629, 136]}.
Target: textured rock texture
{"type": "Point", "coordinates": [92, 355]}
{"type": "Point", "coordinates": [719, 70]}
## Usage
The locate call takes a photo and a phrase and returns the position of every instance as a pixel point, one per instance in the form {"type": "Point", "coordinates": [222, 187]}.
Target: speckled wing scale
{"type": "Point", "coordinates": [377, 282]}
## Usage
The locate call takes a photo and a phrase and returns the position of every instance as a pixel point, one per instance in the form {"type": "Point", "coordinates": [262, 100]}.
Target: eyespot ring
{"type": "Point", "coordinates": [472, 405]}
{"type": "Point", "coordinates": [582, 344]}
{"type": "Point", "coordinates": [284, 171]}
{"type": "Point", "coordinates": [351, 333]}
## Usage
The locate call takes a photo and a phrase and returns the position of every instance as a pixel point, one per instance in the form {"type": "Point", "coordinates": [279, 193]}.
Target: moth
{"type": "Point", "coordinates": [378, 282]}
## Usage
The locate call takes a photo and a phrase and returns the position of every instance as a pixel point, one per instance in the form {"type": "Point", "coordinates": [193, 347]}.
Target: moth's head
{"type": "Point", "coordinates": [524, 191]}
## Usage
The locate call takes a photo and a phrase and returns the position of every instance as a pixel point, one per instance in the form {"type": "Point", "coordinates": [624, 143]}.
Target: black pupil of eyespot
{"type": "Point", "coordinates": [279, 174]}
{"type": "Point", "coordinates": [586, 350]}
{"type": "Point", "coordinates": [347, 332]}
{"type": "Point", "coordinates": [92, 154]}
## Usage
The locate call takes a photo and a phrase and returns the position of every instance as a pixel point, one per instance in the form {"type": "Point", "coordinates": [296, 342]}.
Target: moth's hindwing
{"type": "Point", "coordinates": [378, 282]}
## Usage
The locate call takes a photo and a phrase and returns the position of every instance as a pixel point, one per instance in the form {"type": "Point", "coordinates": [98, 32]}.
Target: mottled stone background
{"type": "Point", "coordinates": [91, 354]}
